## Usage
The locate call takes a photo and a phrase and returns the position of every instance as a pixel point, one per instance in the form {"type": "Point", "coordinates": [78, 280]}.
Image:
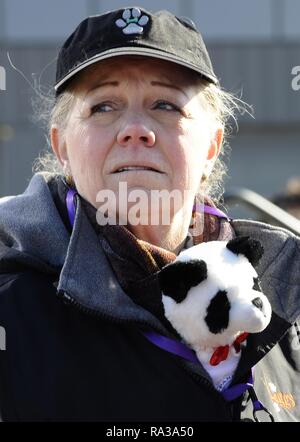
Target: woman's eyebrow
{"type": "Point", "coordinates": [168, 85]}
{"type": "Point", "coordinates": [104, 83]}
{"type": "Point", "coordinates": [153, 83]}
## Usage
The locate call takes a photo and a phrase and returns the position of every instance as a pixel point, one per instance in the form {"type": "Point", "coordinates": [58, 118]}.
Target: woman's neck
{"type": "Point", "coordinates": [170, 237]}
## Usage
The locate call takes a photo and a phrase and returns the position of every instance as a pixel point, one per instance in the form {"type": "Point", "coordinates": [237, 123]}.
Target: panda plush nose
{"type": "Point", "coordinates": [258, 303]}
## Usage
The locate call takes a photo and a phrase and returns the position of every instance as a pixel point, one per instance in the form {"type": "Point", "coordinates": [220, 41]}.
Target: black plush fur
{"type": "Point", "coordinates": [177, 278]}
{"type": "Point", "coordinates": [252, 249]}
{"type": "Point", "coordinates": [217, 318]}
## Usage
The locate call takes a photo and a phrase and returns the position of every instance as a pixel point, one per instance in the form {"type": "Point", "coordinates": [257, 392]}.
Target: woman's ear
{"type": "Point", "coordinates": [214, 149]}
{"type": "Point", "coordinates": [216, 144]}
{"type": "Point", "coordinates": [59, 147]}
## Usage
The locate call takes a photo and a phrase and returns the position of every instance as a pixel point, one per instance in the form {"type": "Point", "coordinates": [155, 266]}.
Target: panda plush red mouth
{"type": "Point", "coordinates": [221, 353]}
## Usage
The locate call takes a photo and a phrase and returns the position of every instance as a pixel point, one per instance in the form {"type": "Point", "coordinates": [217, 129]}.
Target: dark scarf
{"type": "Point", "coordinates": [136, 263]}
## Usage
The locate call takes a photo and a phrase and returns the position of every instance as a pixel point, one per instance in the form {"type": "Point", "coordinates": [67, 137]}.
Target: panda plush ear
{"type": "Point", "coordinates": [251, 248]}
{"type": "Point", "coordinates": [177, 278]}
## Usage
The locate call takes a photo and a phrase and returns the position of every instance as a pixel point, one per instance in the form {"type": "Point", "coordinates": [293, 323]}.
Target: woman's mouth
{"type": "Point", "coordinates": [136, 168]}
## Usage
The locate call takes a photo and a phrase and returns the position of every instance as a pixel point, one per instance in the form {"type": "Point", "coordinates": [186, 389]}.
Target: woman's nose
{"type": "Point", "coordinates": [134, 133]}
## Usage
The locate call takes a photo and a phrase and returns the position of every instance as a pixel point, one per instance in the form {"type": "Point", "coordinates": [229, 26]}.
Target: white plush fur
{"type": "Point", "coordinates": [225, 271]}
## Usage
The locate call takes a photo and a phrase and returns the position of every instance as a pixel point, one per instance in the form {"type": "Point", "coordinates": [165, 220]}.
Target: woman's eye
{"type": "Point", "coordinates": [101, 108]}
{"type": "Point", "coordinates": [165, 105]}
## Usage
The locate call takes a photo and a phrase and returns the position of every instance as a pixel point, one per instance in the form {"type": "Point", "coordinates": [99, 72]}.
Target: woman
{"type": "Point", "coordinates": [137, 103]}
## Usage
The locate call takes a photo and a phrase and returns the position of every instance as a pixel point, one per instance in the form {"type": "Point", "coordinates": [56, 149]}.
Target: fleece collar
{"type": "Point", "coordinates": [27, 221]}
{"type": "Point", "coordinates": [87, 277]}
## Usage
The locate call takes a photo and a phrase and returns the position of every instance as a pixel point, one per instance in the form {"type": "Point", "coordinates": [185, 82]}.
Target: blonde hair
{"type": "Point", "coordinates": [221, 105]}
{"type": "Point", "coordinates": [49, 111]}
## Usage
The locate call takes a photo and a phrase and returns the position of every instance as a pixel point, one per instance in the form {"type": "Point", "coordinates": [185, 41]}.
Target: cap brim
{"type": "Point", "coordinates": [147, 52]}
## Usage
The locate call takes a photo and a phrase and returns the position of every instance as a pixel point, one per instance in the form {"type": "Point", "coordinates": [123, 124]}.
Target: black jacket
{"type": "Point", "coordinates": [74, 343]}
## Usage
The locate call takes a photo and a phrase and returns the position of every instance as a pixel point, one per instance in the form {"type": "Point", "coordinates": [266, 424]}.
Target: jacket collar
{"type": "Point", "coordinates": [27, 221]}
{"type": "Point", "coordinates": [87, 277]}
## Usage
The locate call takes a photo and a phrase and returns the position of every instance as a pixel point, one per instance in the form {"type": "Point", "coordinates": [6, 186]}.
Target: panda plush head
{"type": "Point", "coordinates": [211, 293]}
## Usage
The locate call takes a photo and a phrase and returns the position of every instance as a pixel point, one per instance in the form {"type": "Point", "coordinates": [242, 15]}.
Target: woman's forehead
{"type": "Point", "coordinates": [138, 66]}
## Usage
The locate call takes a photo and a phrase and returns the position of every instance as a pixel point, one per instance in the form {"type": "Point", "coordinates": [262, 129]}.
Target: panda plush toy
{"type": "Point", "coordinates": [212, 297]}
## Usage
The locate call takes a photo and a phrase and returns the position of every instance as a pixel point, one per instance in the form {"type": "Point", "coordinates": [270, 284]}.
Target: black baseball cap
{"type": "Point", "coordinates": [133, 31]}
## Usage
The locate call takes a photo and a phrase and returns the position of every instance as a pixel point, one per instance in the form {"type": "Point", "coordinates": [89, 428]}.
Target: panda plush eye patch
{"type": "Point", "coordinates": [217, 318]}
{"type": "Point", "coordinates": [177, 278]}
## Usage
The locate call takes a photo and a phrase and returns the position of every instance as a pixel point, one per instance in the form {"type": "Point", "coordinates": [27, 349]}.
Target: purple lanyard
{"type": "Point", "coordinates": [177, 347]}
{"type": "Point", "coordinates": [71, 205]}
{"type": "Point", "coordinates": [210, 210]}
{"type": "Point", "coordinates": [230, 393]}
{"type": "Point", "coordinates": [198, 207]}
{"type": "Point", "coordinates": [172, 346]}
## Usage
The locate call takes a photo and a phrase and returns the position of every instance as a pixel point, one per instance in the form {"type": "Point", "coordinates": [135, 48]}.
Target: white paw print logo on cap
{"type": "Point", "coordinates": [132, 21]}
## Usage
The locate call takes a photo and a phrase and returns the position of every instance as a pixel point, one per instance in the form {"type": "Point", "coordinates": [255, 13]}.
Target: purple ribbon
{"type": "Point", "coordinates": [198, 207]}
{"type": "Point", "coordinates": [210, 210]}
{"type": "Point", "coordinates": [180, 349]}
{"type": "Point", "coordinates": [257, 405]}
{"type": "Point", "coordinates": [172, 346]}
{"type": "Point", "coordinates": [237, 390]}
{"type": "Point", "coordinates": [71, 206]}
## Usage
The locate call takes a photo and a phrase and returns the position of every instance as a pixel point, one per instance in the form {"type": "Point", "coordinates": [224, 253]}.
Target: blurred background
{"type": "Point", "coordinates": [254, 46]}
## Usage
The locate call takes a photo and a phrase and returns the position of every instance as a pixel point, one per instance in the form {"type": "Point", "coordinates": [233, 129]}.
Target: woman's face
{"type": "Point", "coordinates": [137, 112]}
